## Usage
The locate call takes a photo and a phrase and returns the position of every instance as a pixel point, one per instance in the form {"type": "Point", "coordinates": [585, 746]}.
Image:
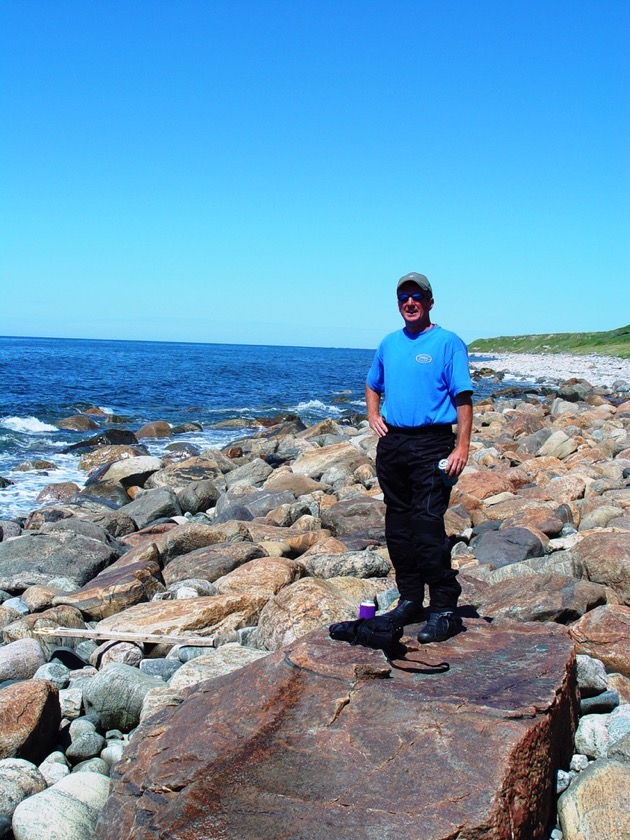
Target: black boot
{"type": "Point", "coordinates": [407, 612]}
{"type": "Point", "coordinates": [440, 626]}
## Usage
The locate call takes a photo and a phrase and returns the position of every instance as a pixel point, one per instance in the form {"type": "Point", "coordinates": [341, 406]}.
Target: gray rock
{"type": "Point", "coordinates": [86, 529]}
{"type": "Point", "coordinates": [92, 765]}
{"type": "Point", "coordinates": [151, 505]}
{"type": "Point", "coordinates": [115, 695]}
{"type": "Point", "coordinates": [81, 726]}
{"type": "Point", "coordinates": [71, 702]}
{"type": "Point", "coordinates": [531, 443]}
{"type": "Point", "coordinates": [618, 723]}
{"type": "Point", "coordinates": [55, 672]}
{"type": "Point", "coordinates": [162, 668]}
{"type": "Point", "coordinates": [575, 390]}
{"type": "Point", "coordinates": [592, 737]}
{"type": "Point", "coordinates": [16, 604]}
{"type": "Point", "coordinates": [620, 750]}
{"type": "Point", "coordinates": [187, 652]}
{"type": "Point", "coordinates": [20, 660]}
{"type": "Point", "coordinates": [252, 474]}
{"type": "Point", "coordinates": [198, 496]}
{"type": "Point", "coordinates": [18, 780]}
{"type": "Point", "coordinates": [9, 529]}
{"type": "Point", "coordinates": [591, 675]}
{"type": "Point", "coordinates": [113, 752]}
{"type": "Point", "coordinates": [129, 472]}
{"type": "Point", "coordinates": [68, 810]}
{"type": "Point", "coordinates": [39, 558]}
{"type": "Point", "coordinates": [54, 768]}
{"type": "Point", "coordinates": [563, 780]}
{"type": "Point", "coordinates": [197, 586]}
{"type": "Point", "coordinates": [508, 545]}
{"type": "Point", "coordinates": [85, 746]}
{"type": "Point", "coordinates": [600, 704]}
{"type": "Point", "coordinates": [579, 762]}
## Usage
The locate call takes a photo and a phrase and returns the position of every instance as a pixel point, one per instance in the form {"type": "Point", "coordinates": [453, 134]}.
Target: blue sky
{"type": "Point", "coordinates": [263, 171]}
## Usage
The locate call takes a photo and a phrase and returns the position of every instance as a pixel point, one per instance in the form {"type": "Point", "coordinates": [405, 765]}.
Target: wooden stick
{"type": "Point", "coordinates": [116, 635]}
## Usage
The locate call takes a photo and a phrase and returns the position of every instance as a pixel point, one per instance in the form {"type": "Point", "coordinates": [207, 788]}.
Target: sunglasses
{"type": "Point", "coordinates": [404, 296]}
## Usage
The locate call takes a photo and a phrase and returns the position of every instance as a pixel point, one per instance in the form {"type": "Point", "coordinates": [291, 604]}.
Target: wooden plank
{"type": "Point", "coordinates": [121, 636]}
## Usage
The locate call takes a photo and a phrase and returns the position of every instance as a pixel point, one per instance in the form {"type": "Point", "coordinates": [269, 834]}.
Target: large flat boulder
{"type": "Point", "coordinates": [38, 558]}
{"type": "Point", "coordinates": [324, 740]}
{"type": "Point", "coordinates": [204, 616]}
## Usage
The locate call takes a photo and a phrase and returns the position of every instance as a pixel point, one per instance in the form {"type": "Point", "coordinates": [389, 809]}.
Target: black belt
{"type": "Point", "coordinates": [434, 429]}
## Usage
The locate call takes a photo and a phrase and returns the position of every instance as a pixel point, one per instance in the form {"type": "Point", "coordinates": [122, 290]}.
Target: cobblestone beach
{"type": "Point", "coordinates": [556, 367]}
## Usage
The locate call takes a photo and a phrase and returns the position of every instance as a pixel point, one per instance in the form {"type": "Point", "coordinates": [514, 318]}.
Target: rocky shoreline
{"type": "Point", "coordinates": [169, 572]}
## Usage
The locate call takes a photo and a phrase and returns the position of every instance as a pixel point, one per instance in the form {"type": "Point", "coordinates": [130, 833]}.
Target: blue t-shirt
{"type": "Point", "coordinates": [420, 376]}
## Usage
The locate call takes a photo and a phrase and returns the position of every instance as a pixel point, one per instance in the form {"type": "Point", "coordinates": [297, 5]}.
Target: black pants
{"type": "Point", "coordinates": [417, 499]}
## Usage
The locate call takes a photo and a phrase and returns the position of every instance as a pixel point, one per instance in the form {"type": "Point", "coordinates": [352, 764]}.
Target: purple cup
{"type": "Point", "coordinates": [367, 609]}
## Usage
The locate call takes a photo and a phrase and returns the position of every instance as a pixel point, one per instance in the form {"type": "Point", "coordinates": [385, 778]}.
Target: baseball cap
{"type": "Point", "coordinates": [418, 279]}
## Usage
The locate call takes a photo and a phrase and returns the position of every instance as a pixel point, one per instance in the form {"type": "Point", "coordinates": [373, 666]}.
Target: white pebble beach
{"type": "Point", "coordinates": [556, 367]}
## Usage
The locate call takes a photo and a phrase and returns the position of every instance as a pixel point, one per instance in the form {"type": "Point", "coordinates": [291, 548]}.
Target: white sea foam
{"type": "Point", "coordinates": [317, 405]}
{"type": "Point", "coordinates": [29, 425]}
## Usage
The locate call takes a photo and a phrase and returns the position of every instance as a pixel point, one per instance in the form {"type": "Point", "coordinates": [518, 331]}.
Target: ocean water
{"type": "Point", "coordinates": [47, 379]}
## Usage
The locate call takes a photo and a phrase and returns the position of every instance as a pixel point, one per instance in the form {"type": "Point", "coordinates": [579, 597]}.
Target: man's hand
{"type": "Point", "coordinates": [457, 460]}
{"type": "Point", "coordinates": [378, 425]}
{"type": "Point", "coordinates": [373, 403]}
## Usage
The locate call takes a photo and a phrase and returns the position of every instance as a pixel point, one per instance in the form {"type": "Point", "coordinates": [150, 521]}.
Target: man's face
{"type": "Point", "coordinates": [415, 312]}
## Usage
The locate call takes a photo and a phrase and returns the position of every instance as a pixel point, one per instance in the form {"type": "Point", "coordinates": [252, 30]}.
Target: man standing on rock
{"type": "Point", "coordinates": [423, 375]}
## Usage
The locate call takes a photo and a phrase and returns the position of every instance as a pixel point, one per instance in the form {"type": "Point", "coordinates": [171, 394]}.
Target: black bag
{"type": "Point", "coordinates": [381, 633]}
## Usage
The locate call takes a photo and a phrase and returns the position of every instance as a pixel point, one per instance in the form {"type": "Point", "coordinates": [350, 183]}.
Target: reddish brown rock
{"type": "Point", "coordinates": [483, 484]}
{"type": "Point", "coordinates": [538, 517]}
{"type": "Point", "coordinates": [39, 598]}
{"type": "Point", "coordinates": [57, 492]}
{"type": "Point", "coordinates": [323, 740]}
{"type": "Point", "coordinates": [540, 597]}
{"type": "Point", "coordinates": [29, 720]}
{"type": "Point", "coordinates": [77, 423]}
{"type": "Point", "coordinates": [157, 429]}
{"type": "Point", "coordinates": [604, 633]}
{"type": "Point", "coordinates": [265, 576]}
{"type": "Point", "coordinates": [605, 556]}
{"type": "Point", "coordinates": [116, 589]}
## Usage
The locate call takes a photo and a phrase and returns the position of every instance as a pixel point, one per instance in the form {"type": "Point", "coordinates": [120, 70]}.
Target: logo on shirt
{"type": "Point", "coordinates": [424, 358]}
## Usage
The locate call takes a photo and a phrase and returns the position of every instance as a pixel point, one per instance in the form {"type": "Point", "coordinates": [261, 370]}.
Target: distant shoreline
{"type": "Point", "coordinates": [556, 367]}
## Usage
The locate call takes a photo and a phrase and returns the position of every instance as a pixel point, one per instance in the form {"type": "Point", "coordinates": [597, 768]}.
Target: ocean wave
{"type": "Point", "coordinates": [317, 405]}
{"type": "Point", "coordinates": [28, 425]}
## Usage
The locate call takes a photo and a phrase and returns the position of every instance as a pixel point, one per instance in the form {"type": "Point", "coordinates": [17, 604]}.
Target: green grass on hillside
{"type": "Point", "coordinates": [611, 343]}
